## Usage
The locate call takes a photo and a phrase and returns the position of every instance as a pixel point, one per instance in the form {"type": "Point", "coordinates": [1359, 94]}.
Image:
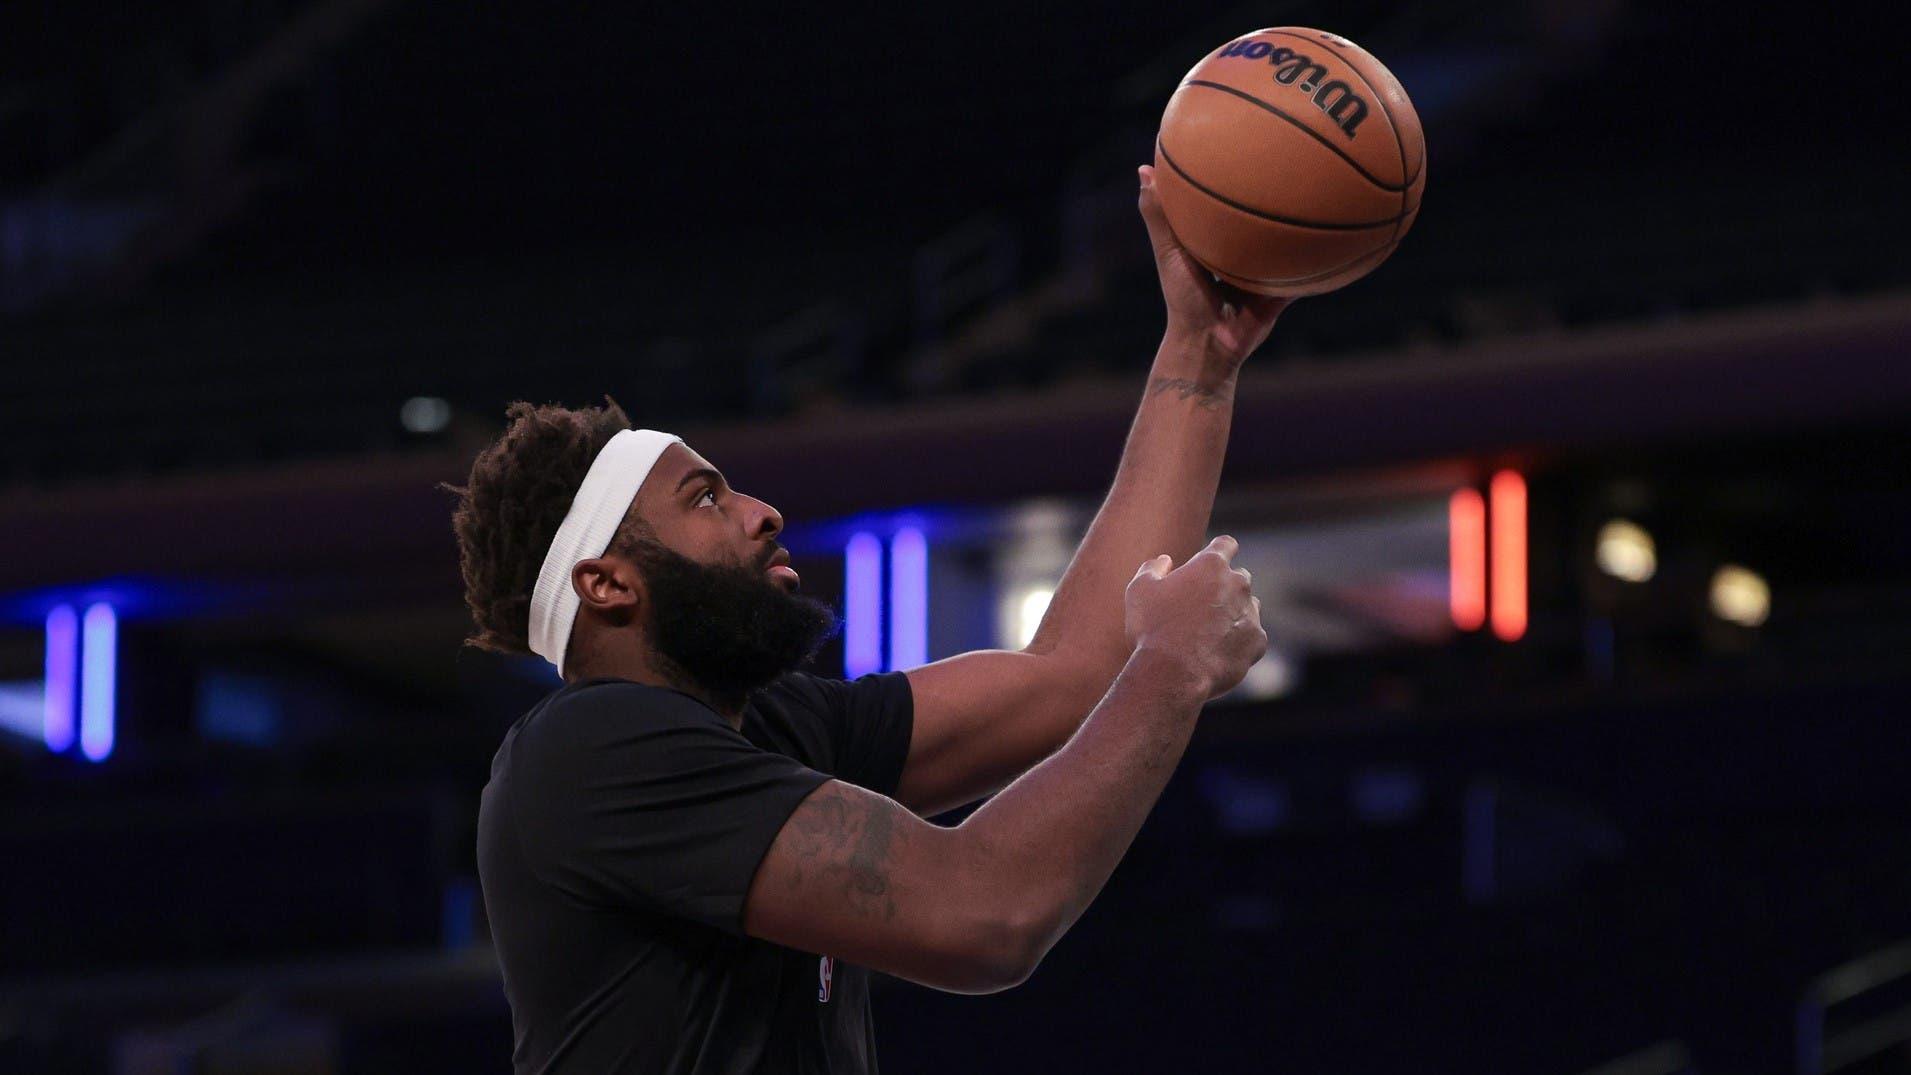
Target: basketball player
{"type": "Point", "coordinates": [693, 854]}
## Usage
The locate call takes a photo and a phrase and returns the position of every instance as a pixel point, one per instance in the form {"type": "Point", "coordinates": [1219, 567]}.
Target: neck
{"type": "Point", "coordinates": [639, 663]}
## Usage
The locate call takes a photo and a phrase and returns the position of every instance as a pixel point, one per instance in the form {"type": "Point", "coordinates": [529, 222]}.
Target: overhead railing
{"type": "Point", "coordinates": [182, 159]}
{"type": "Point", "coordinates": [1855, 1011]}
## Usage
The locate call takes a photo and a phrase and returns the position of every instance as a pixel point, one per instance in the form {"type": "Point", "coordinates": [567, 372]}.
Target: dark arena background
{"type": "Point", "coordinates": [1582, 526]}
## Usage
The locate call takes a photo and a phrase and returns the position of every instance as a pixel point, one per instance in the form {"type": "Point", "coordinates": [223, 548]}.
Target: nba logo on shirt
{"type": "Point", "coordinates": [825, 970]}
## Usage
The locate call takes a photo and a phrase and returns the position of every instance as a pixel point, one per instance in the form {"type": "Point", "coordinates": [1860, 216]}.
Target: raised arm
{"type": "Point", "coordinates": [973, 909]}
{"type": "Point", "coordinates": [982, 718]}
{"type": "Point", "coordinates": [1164, 486]}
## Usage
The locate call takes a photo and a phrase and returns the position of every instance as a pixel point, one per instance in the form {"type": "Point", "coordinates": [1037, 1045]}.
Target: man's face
{"type": "Point", "coordinates": [696, 514]}
{"type": "Point", "coordinates": [722, 602]}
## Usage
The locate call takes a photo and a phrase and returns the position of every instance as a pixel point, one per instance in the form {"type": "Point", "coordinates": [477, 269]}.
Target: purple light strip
{"type": "Point", "coordinates": [908, 599]}
{"type": "Point", "coordinates": [62, 681]}
{"type": "Point", "coordinates": [99, 660]}
{"type": "Point", "coordinates": [862, 605]}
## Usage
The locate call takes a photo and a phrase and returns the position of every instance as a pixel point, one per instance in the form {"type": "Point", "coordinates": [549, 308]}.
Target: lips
{"type": "Point", "coordinates": [780, 568]}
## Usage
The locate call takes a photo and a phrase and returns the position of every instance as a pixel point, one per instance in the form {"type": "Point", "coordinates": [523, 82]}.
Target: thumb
{"type": "Point", "coordinates": [1158, 567]}
{"type": "Point", "coordinates": [1160, 234]}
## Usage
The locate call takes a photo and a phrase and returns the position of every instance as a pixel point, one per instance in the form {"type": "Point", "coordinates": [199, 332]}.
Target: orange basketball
{"type": "Point", "coordinates": [1290, 162]}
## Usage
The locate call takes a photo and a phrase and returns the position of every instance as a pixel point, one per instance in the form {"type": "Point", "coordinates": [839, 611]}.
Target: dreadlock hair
{"type": "Point", "coordinates": [520, 489]}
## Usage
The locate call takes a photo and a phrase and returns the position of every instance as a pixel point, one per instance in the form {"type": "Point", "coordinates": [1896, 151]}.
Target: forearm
{"type": "Point", "coordinates": [1160, 502]}
{"type": "Point", "coordinates": [974, 908]}
{"type": "Point", "coordinates": [1042, 849]}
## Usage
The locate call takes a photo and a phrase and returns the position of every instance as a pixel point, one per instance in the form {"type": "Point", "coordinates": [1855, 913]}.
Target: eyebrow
{"type": "Point", "coordinates": [700, 472]}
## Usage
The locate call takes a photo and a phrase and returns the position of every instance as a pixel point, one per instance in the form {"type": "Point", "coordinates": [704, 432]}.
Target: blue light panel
{"type": "Point", "coordinates": [862, 605]}
{"type": "Point", "coordinates": [99, 659]}
{"type": "Point", "coordinates": [62, 678]}
{"type": "Point", "coordinates": [908, 599]}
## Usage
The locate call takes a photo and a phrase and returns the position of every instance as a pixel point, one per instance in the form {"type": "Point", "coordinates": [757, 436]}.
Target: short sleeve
{"type": "Point", "coordinates": [640, 796]}
{"type": "Point", "coordinates": [867, 722]}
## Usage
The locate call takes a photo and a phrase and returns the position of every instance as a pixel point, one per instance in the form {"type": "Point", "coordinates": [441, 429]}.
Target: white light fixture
{"type": "Point", "coordinates": [1625, 551]}
{"type": "Point", "coordinates": [1741, 596]}
{"type": "Point", "coordinates": [1026, 608]}
{"type": "Point", "coordinates": [1274, 675]}
{"type": "Point", "coordinates": [425, 414]}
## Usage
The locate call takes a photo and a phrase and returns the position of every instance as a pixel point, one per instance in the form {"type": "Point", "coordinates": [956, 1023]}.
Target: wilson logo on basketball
{"type": "Point", "coordinates": [1342, 105]}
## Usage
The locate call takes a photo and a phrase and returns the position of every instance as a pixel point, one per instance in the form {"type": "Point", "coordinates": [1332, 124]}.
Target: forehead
{"type": "Point", "coordinates": [676, 461]}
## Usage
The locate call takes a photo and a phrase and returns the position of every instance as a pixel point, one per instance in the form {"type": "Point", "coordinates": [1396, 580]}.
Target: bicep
{"type": "Point", "coordinates": [984, 718]}
{"type": "Point", "coordinates": [855, 875]}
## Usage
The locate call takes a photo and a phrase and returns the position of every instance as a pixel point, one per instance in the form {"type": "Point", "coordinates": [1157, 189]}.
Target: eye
{"type": "Point", "coordinates": [709, 493]}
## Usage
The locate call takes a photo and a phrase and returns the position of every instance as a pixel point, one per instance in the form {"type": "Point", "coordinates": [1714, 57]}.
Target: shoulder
{"type": "Point", "coordinates": [835, 697]}
{"type": "Point", "coordinates": [798, 690]}
{"type": "Point", "coordinates": [856, 730]}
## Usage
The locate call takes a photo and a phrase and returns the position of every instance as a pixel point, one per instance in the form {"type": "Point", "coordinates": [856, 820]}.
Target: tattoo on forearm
{"type": "Point", "coordinates": [1187, 388]}
{"type": "Point", "coordinates": [848, 841]}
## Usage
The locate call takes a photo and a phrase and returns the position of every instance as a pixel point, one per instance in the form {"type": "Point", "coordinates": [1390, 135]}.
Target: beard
{"type": "Point", "coordinates": [728, 628]}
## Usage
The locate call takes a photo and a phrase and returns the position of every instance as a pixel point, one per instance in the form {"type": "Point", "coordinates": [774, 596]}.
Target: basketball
{"type": "Point", "coordinates": [1290, 162]}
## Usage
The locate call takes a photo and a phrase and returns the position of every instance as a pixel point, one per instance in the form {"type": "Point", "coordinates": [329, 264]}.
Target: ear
{"type": "Point", "coordinates": [611, 585]}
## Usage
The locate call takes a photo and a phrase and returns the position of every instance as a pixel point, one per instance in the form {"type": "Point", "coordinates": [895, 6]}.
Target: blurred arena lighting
{"type": "Point", "coordinates": [1507, 514]}
{"type": "Point", "coordinates": [458, 926]}
{"type": "Point", "coordinates": [1466, 559]}
{"type": "Point", "coordinates": [1030, 561]}
{"type": "Point", "coordinates": [862, 605]}
{"type": "Point", "coordinates": [23, 709]}
{"type": "Point", "coordinates": [1625, 551]}
{"type": "Point", "coordinates": [1274, 675]}
{"type": "Point", "coordinates": [1026, 607]}
{"type": "Point", "coordinates": [908, 599]}
{"type": "Point", "coordinates": [59, 718]}
{"type": "Point", "coordinates": [99, 680]}
{"type": "Point", "coordinates": [237, 708]}
{"type": "Point", "coordinates": [133, 597]}
{"type": "Point", "coordinates": [1740, 595]}
{"type": "Point", "coordinates": [425, 414]}
{"type": "Point", "coordinates": [1386, 794]}
{"type": "Point", "coordinates": [1245, 802]}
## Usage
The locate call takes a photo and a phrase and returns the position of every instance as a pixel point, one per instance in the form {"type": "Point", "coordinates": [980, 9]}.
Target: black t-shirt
{"type": "Point", "coordinates": [616, 842]}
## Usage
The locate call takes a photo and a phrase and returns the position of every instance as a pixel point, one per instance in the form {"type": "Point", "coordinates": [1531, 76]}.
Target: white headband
{"type": "Point", "coordinates": [609, 487]}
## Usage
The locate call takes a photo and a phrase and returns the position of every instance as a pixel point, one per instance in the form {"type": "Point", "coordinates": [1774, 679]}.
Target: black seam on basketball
{"type": "Point", "coordinates": [1311, 277]}
{"type": "Point", "coordinates": [1248, 283]}
{"type": "Point", "coordinates": [1392, 128]}
{"type": "Point", "coordinates": [1309, 131]}
{"type": "Point", "coordinates": [1379, 99]}
{"type": "Point", "coordinates": [1251, 211]}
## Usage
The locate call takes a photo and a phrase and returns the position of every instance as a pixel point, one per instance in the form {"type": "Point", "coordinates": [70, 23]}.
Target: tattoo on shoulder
{"type": "Point", "coordinates": [847, 840]}
{"type": "Point", "coordinates": [1188, 388]}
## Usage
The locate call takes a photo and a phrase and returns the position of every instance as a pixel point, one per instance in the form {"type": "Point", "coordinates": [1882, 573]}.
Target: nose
{"type": "Point", "coordinates": [767, 521]}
